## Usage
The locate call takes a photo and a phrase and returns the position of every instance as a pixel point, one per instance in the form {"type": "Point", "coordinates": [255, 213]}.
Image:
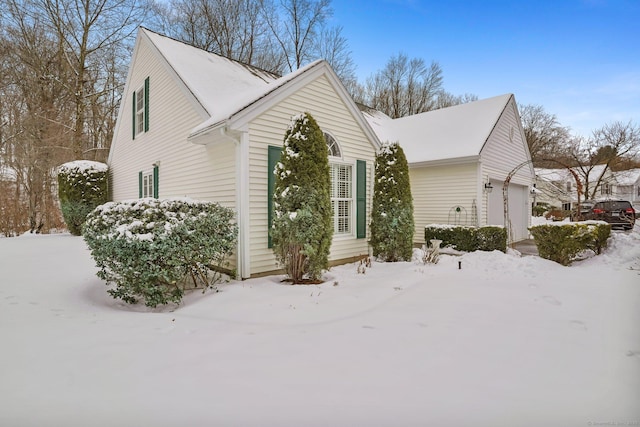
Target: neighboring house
{"type": "Point", "coordinates": [194, 124]}
{"type": "Point", "coordinates": [627, 186]}
{"type": "Point", "coordinates": [558, 187]}
{"type": "Point", "coordinates": [459, 158]}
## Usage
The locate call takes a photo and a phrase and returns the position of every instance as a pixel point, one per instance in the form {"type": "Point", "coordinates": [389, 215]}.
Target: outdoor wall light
{"type": "Point", "coordinates": [488, 187]}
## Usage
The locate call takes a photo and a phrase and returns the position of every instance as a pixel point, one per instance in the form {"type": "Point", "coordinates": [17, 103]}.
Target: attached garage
{"type": "Point", "coordinates": [455, 153]}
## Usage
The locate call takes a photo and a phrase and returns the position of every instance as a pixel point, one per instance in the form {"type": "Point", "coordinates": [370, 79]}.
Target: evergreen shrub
{"type": "Point", "coordinates": [564, 242]}
{"type": "Point", "coordinates": [469, 239]}
{"type": "Point", "coordinates": [303, 221]}
{"type": "Point", "coordinates": [392, 224]}
{"type": "Point", "coordinates": [150, 248]}
{"type": "Point", "coordinates": [82, 185]}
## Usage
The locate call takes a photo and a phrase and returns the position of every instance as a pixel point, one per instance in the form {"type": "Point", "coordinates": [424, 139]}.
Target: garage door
{"type": "Point", "coordinates": [518, 209]}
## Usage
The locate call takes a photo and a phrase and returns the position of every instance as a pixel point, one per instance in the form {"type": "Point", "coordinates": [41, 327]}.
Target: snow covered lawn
{"type": "Point", "coordinates": [504, 341]}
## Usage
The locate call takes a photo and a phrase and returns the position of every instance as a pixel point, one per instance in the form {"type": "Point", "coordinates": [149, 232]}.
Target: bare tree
{"type": "Point", "coordinates": [63, 68]}
{"type": "Point", "coordinates": [608, 146]}
{"type": "Point", "coordinates": [405, 87]}
{"type": "Point", "coordinates": [546, 138]}
{"type": "Point", "coordinates": [294, 25]}
{"type": "Point", "coordinates": [234, 29]}
{"type": "Point", "coordinates": [446, 99]}
{"type": "Point", "coordinates": [35, 109]}
{"type": "Point", "coordinates": [86, 32]}
{"type": "Point", "coordinates": [332, 46]}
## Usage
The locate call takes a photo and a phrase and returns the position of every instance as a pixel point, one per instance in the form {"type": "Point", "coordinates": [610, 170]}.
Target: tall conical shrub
{"type": "Point", "coordinates": [82, 186]}
{"type": "Point", "coordinates": [303, 220]}
{"type": "Point", "coordinates": [392, 224]}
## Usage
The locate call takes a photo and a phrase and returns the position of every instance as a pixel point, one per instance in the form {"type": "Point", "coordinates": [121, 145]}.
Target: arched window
{"type": "Point", "coordinates": [332, 144]}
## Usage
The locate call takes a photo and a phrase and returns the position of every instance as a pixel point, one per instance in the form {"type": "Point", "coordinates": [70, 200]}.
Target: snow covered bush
{"type": "Point", "coordinates": [563, 243]}
{"type": "Point", "coordinates": [150, 248]}
{"type": "Point", "coordinates": [392, 223]}
{"type": "Point", "coordinates": [82, 185]}
{"type": "Point", "coordinates": [469, 239]}
{"type": "Point", "coordinates": [303, 221]}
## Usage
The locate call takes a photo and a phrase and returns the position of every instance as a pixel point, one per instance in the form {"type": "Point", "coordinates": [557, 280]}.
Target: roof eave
{"type": "Point", "coordinates": [445, 162]}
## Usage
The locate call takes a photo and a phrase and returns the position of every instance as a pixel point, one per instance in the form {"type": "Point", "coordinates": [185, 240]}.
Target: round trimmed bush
{"type": "Point", "coordinates": [153, 249]}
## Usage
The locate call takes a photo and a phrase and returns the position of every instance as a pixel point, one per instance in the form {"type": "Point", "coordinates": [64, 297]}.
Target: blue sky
{"type": "Point", "coordinates": [579, 59]}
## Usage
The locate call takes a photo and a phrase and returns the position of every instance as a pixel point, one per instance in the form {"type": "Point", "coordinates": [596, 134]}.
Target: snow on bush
{"type": "Point", "coordinates": [82, 185]}
{"type": "Point", "coordinates": [392, 224]}
{"type": "Point", "coordinates": [468, 238]}
{"type": "Point", "coordinates": [565, 242]}
{"type": "Point", "coordinates": [149, 248]}
{"type": "Point", "coordinates": [303, 226]}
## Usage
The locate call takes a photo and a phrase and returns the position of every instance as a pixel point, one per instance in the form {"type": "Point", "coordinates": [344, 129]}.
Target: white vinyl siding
{"type": "Point", "coordinates": [188, 170]}
{"type": "Point", "coordinates": [505, 149]}
{"type": "Point", "coordinates": [320, 100]}
{"type": "Point", "coordinates": [503, 152]}
{"type": "Point", "coordinates": [438, 190]}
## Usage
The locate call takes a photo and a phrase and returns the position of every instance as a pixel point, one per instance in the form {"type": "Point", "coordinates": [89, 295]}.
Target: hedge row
{"type": "Point", "coordinates": [563, 242]}
{"type": "Point", "coordinates": [469, 239]}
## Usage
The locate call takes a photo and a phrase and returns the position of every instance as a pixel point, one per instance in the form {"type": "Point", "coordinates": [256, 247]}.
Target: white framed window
{"type": "Point", "coordinates": [606, 189]}
{"type": "Point", "coordinates": [341, 188]}
{"type": "Point", "coordinates": [140, 110]}
{"type": "Point", "coordinates": [342, 197]}
{"type": "Point", "coordinates": [147, 184]}
{"type": "Point", "coordinates": [332, 145]}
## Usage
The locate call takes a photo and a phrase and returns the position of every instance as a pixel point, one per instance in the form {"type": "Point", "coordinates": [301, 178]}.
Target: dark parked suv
{"type": "Point", "coordinates": [618, 213]}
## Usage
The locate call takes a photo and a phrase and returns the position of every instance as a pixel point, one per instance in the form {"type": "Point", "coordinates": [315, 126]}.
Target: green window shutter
{"type": "Point", "coordinates": [133, 118]}
{"type": "Point", "coordinates": [155, 181]}
{"type": "Point", "coordinates": [361, 199]}
{"type": "Point", "coordinates": [273, 158]}
{"type": "Point", "coordinates": [146, 104]}
{"type": "Point", "coordinates": [140, 184]}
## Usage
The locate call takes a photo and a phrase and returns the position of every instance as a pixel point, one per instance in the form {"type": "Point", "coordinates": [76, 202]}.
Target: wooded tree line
{"type": "Point", "coordinates": [64, 65]}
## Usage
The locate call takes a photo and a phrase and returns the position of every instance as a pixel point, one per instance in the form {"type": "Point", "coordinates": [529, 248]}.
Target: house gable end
{"type": "Point", "coordinates": [241, 119]}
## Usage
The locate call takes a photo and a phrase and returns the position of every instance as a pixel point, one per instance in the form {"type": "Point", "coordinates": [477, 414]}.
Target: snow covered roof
{"type": "Point", "coordinates": [218, 83]}
{"type": "Point", "coordinates": [222, 86]}
{"type": "Point", "coordinates": [628, 177]}
{"type": "Point", "coordinates": [448, 133]}
{"type": "Point", "coordinates": [553, 175]}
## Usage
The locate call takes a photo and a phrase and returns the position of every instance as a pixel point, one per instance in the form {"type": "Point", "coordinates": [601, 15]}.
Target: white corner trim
{"type": "Point", "coordinates": [242, 202]}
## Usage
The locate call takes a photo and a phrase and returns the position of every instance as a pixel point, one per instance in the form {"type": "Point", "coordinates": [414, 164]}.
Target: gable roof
{"type": "Point", "coordinates": [229, 90]}
{"type": "Point", "coordinates": [627, 177]}
{"type": "Point", "coordinates": [448, 133]}
{"type": "Point", "coordinates": [219, 84]}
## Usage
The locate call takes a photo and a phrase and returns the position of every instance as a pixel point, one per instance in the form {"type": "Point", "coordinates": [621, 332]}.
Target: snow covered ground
{"type": "Point", "coordinates": [504, 341]}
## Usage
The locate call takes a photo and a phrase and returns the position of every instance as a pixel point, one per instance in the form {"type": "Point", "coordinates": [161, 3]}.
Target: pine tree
{"type": "Point", "coordinates": [303, 221]}
{"type": "Point", "coordinates": [392, 224]}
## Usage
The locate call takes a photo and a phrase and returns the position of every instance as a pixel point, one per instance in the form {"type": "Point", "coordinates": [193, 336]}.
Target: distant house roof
{"type": "Point", "coordinates": [447, 133]}
{"type": "Point", "coordinates": [553, 175]}
{"type": "Point", "coordinates": [627, 177]}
